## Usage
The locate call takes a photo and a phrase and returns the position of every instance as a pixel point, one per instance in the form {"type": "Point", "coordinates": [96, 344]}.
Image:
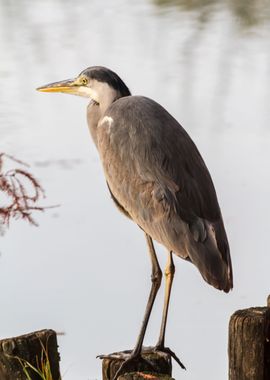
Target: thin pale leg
{"type": "Point", "coordinates": [156, 281]}
{"type": "Point", "coordinates": [169, 275]}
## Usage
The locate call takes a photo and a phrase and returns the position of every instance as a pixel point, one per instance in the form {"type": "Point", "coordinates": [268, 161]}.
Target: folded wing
{"type": "Point", "coordinates": [158, 177]}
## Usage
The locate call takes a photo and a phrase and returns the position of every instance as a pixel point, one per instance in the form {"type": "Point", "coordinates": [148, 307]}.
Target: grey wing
{"type": "Point", "coordinates": [159, 178]}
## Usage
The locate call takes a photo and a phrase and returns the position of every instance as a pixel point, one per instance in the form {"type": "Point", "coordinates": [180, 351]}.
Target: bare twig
{"type": "Point", "coordinates": [22, 192]}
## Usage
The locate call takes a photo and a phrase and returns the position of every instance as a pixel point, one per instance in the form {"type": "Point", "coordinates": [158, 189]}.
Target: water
{"type": "Point", "coordinates": [85, 270]}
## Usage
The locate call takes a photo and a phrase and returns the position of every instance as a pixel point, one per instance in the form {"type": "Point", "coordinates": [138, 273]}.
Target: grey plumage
{"type": "Point", "coordinates": [156, 177]}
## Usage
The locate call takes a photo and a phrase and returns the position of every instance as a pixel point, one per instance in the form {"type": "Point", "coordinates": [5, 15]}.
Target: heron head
{"type": "Point", "coordinates": [96, 83]}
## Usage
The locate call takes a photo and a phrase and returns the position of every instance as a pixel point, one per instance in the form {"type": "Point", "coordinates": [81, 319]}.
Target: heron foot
{"type": "Point", "coordinates": [123, 355]}
{"type": "Point", "coordinates": [128, 361]}
{"type": "Point", "coordinates": [131, 362]}
{"type": "Point", "coordinates": [167, 350]}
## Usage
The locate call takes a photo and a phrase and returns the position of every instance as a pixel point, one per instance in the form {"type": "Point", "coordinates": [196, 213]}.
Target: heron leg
{"type": "Point", "coordinates": [156, 281]}
{"type": "Point", "coordinates": [169, 275]}
{"type": "Point", "coordinates": [156, 277]}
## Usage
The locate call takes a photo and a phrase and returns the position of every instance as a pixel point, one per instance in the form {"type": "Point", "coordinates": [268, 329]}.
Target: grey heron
{"type": "Point", "coordinates": [156, 177]}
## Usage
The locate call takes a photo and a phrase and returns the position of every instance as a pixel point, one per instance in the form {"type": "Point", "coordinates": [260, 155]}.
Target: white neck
{"type": "Point", "coordinates": [100, 92]}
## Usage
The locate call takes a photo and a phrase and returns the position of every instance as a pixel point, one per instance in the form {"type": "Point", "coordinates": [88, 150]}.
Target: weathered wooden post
{"type": "Point", "coordinates": [249, 344]}
{"type": "Point", "coordinates": [31, 348]}
{"type": "Point", "coordinates": [152, 366]}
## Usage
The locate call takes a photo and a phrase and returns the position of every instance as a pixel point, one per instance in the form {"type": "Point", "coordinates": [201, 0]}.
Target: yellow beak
{"type": "Point", "coordinates": [66, 86]}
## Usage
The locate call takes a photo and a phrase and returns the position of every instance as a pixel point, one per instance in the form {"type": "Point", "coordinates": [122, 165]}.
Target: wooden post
{"type": "Point", "coordinates": [249, 344]}
{"type": "Point", "coordinates": [28, 348]}
{"type": "Point", "coordinates": [144, 376]}
{"type": "Point", "coordinates": [152, 366]}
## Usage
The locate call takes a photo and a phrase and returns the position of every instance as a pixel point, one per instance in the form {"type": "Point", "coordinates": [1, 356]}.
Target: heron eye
{"type": "Point", "coordinates": [84, 81]}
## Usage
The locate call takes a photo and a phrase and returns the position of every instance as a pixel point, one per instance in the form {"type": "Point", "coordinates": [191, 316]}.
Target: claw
{"type": "Point", "coordinates": [123, 355]}
{"type": "Point", "coordinates": [112, 356]}
{"type": "Point", "coordinates": [167, 350]}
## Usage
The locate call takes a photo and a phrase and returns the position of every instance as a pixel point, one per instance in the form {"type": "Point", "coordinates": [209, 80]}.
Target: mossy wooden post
{"type": "Point", "coordinates": [249, 344]}
{"type": "Point", "coordinates": [28, 348]}
{"type": "Point", "coordinates": [153, 366]}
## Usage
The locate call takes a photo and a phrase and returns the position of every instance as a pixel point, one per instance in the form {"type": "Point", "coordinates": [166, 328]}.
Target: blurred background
{"type": "Point", "coordinates": [85, 270]}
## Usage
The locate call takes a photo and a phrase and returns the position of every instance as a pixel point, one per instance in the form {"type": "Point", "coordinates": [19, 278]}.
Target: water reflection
{"type": "Point", "coordinates": [250, 13]}
{"type": "Point", "coordinates": [62, 164]}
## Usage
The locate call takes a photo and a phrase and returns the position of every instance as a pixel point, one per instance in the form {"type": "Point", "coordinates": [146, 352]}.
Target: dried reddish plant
{"type": "Point", "coordinates": [20, 191]}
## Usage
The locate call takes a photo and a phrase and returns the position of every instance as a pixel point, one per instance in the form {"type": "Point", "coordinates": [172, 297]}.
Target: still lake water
{"type": "Point", "coordinates": [85, 270]}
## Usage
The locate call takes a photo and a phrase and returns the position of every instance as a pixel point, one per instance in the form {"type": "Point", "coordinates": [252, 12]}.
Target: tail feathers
{"type": "Point", "coordinates": [212, 256]}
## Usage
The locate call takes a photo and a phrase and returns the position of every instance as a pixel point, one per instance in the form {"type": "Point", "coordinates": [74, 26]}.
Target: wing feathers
{"type": "Point", "coordinates": [159, 178]}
